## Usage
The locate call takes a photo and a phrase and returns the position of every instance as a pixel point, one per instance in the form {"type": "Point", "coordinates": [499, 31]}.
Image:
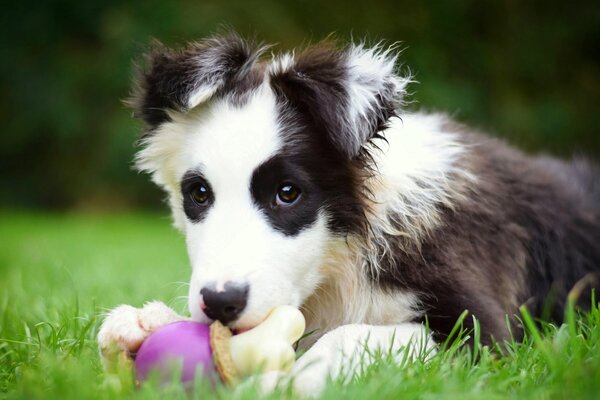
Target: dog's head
{"type": "Point", "coordinates": [264, 162]}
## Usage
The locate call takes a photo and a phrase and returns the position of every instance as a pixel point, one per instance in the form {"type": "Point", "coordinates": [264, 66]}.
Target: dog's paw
{"type": "Point", "coordinates": [264, 384]}
{"type": "Point", "coordinates": [156, 314]}
{"type": "Point", "coordinates": [344, 352]}
{"type": "Point", "coordinates": [126, 327]}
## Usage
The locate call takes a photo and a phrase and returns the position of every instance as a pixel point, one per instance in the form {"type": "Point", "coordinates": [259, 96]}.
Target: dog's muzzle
{"type": "Point", "coordinates": [224, 304]}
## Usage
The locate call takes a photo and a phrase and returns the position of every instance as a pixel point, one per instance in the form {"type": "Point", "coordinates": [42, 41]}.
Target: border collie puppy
{"type": "Point", "coordinates": [298, 179]}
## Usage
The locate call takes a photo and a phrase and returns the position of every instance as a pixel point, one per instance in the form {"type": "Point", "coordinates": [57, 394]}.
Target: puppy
{"type": "Point", "coordinates": [298, 179]}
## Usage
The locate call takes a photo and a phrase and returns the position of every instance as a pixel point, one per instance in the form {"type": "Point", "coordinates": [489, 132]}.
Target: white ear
{"type": "Point", "coordinates": [374, 91]}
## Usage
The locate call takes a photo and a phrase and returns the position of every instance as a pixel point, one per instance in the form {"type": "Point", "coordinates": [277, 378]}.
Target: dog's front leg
{"type": "Point", "coordinates": [126, 327]}
{"type": "Point", "coordinates": [342, 352]}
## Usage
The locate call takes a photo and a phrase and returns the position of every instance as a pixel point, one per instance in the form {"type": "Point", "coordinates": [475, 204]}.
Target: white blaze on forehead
{"type": "Point", "coordinates": [234, 241]}
{"type": "Point", "coordinates": [222, 141]}
{"type": "Point", "coordinates": [226, 146]}
{"type": "Point", "coordinates": [227, 143]}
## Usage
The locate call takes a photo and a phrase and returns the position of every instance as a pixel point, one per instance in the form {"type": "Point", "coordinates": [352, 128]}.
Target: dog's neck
{"type": "Point", "coordinates": [347, 295]}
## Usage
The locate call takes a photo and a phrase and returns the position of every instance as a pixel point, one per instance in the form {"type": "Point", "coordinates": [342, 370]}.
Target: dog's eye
{"type": "Point", "coordinates": [200, 194]}
{"type": "Point", "coordinates": [287, 194]}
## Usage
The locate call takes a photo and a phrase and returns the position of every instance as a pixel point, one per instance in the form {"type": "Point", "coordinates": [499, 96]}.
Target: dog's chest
{"type": "Point", "coordinates": [355, 300]}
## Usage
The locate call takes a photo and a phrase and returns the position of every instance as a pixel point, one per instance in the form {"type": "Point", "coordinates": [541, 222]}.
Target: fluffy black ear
{"type": "Point", "coordinates": [184, 78]}
{"type": "Point", "coordinates": [351, 93]}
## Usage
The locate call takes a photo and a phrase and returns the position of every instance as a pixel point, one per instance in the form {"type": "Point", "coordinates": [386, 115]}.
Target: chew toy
{"type": "Point", "coordinates": [214, 351]}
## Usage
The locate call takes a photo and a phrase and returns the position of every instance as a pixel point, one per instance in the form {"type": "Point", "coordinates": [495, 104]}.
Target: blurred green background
{"type": "Point", "coordinates": [527, 71]}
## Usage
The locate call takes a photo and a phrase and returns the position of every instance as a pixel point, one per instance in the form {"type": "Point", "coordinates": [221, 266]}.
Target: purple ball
{"type": "Point", "coordinates": [181, 342]}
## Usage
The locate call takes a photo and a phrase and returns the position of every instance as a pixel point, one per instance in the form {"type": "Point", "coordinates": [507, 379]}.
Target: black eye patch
{"type": "Point", "coordinates": [265, 184]}
{"type": "Point", "coordinates": [198, 196]}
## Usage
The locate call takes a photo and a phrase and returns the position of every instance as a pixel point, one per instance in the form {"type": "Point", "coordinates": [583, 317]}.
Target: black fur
{"type": "Point", "coordinates": [266, 180]}
{"type": "Point", "coordinates": [521, 237]}
{"type": "Point", "coordinates": [527, 231]}
{"type": "Point", "coordinates": [317, 86]}
{"type": "Point", "coordinates": [194, 211]}
{"type": "Point", "coordinates": [168, 78]}
{"type": "Point", "coordinates": [322, 174]}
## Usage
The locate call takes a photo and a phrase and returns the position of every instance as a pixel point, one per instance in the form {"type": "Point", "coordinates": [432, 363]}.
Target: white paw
{"type": "Point", "coordinates": [156, 314]}
{"type": "Point", "coordinates": [126, 327]}
{"type": "Point", "coordinates": [343, 352]}
{"type": "Point", "coordinates": [265, 383]}
{"type": "Point", "coordinates": [310, 383]}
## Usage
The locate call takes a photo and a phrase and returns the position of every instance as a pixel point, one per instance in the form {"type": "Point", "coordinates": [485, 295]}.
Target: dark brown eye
{"type": "Point", "coordinates": [287, 194]}
{"type": "Point", "coordinates": [200, 194]}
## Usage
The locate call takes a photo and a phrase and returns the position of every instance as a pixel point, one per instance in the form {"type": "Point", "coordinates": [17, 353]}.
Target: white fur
{"type": "Point", "coordinates": [125, 327]}
{"type": "Point", "coordinates": [212, 71]}
{"type": "Point", "coordinates": [369, 73]}
{"type": "Point", "coordinates": [414, 178]}
{"type": "Point", "coordinates": [280, 63]}
{"type": "Point", "coordinates": [325, 275]}
{"type": "Point", "coordinates": [346, 295]}
{"type": "Point", "coordinates": [370, 70]}
{"type": "Point", "coordinates": [203, 94]}
{"type": "Point", "coordinates": [418, 170]}
{"type": "Point", "coordinates": [235, 242]}
{"type": "Point", "coordinates": [345, 352]}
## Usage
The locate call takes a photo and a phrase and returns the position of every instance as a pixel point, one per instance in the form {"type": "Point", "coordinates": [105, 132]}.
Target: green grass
{"type": "Point", "coordinates": [59, 273]}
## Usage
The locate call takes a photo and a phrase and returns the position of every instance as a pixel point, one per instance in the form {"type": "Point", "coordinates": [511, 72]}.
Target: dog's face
{"type": "Point", "coordinates": [253, 214]}
{"type": "Point", "coordinates": [263, 164]}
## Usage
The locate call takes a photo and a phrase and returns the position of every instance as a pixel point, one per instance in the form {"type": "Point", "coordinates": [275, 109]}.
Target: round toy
{"type": "Point", "coordinates": [213, 351]}
{"type": "Point", "coordinates": [182, 344]}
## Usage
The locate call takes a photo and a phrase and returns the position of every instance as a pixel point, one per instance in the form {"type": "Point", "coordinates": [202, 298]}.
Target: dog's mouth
{"type": "Point", "coordinates": [237, 327]}
{"type": "Point", "coordinates": [245, 324]}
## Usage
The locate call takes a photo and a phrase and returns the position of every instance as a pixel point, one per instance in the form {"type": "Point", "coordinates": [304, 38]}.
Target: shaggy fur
{"type": "Point", "coordinates": [413, 216]}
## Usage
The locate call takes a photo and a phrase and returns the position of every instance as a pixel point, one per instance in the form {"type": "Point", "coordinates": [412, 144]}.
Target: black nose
{"type": "Point", "coordinates": [227, 304]}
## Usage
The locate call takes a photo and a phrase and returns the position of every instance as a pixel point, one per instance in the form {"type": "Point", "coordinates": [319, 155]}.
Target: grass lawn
{"type": "Point", "coordinates": [59, 273]}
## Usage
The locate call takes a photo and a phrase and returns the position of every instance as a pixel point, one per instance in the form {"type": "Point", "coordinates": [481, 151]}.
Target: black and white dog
{"type": "Point", "coordinates": [297, 179]}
